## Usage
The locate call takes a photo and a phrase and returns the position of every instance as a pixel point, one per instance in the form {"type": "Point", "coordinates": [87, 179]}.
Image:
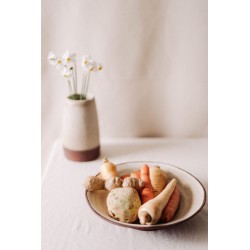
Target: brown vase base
{"type": "Point", "coordinates": [85, 155]}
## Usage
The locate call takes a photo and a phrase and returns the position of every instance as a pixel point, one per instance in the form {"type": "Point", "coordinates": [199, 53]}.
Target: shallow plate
{"type": "Point", "coordinates": [192, 200]}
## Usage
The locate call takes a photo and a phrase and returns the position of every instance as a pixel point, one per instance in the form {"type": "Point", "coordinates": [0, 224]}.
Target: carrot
{"type": "Point", "coordinates": [171, 207]}
{"type": "Point", "coordinates": [147, 192]}
{"type": "Point", "coordinates": [135, 174]}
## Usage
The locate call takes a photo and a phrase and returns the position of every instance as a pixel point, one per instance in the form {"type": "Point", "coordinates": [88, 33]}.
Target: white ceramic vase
{"type": "Point", "coordinates": [80, 130]}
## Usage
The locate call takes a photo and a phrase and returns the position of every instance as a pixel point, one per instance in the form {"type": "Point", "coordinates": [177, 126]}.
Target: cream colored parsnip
{"type": "Point", "coordinates": [150, 212]}
{"type": "Point", "coordinates": [158, 179]}
{"type": "Point", "coordinates": [108, 169]}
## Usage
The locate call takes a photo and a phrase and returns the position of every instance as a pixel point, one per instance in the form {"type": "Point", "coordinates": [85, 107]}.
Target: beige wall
{"type": "Point", "coordinates": [154, 53]}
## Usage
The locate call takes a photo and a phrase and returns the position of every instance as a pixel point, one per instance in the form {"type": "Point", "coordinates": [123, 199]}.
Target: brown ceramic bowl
{"type": "Point", "coordinates": [192, 200]}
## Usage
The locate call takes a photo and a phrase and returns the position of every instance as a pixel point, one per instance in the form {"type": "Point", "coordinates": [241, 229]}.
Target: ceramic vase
{"type": "Point", "coordinates": [80, 130]}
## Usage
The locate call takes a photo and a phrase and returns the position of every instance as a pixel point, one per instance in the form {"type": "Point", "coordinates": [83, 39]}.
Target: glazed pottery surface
{"type": "Point", "coordinates": [80, 130]}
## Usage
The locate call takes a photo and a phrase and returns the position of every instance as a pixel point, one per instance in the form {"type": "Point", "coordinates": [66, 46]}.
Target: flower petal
{"type": "Point", "coordinates": [52, 58]}
{"type": "Point", "coordinates": [68, 58]}
{"type": "Point", "coordinates": [67, 72]}
{"type": "Point", "coordinates": [85, 60]}
{"type": "Point", "coordinates": [99, 66]}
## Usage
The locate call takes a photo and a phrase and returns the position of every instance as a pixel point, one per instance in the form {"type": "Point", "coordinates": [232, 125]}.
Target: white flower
{"type": "Point", "coordinates": [85, 60]}
{"type": "Point", "coordinates": [93, 66]}
{"type": "Point", "coordinates": [52, 58]}
{"type": "Point", "coordinates": [67, 72]}
{"type": "Point", "coordinates": [58, 63]}
{"type": "Point", "coordinates": [68, 58]}
{"type": "Point", "coordinates": [89, 66]}
{"type": "Point", "coordinates": [99, 66]}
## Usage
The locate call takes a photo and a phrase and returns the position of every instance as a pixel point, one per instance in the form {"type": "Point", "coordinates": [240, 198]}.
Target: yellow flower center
{"type": "Point", "coordinates": [59, 62]}
{"type": "Point", "coordinates": [68, 59]}
{"type": "Point", "coordinates": [100, 67]}
{"type": "Point", "coordinates": [85, 62]}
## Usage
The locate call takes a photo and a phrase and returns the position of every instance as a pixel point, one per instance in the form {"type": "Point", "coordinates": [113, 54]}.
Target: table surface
{"type": "Point", "coordinates": [68, 222]}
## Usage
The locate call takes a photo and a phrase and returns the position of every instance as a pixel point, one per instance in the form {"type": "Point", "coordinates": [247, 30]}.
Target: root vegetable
{"type": "Point", "coordinates": [134, 183]}
{"type": "Point", "coordinates": [147, 192]}
{"type": "Point", "coordinates": [123, 204]}
{"type": "Point", "coordinates": [158, 179]}
{"type": "Point", "coordinates": [113, 182]}
{"type": "Point", "coordinates": [171, 207]}
{"type": "Point", "coordinates": [125, 176]}
{"type": "Point", "coordinates": [108, 169]}
{"type": "Point", "coordinates": [92, 183]}
{"type": "Point", "coordinates": [135, 174]}
{"type": "Point", "coordinates": [150, 212]}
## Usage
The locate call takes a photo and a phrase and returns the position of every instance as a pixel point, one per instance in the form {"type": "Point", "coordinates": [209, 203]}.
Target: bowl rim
{"type": "Point", "coordinates": [156, 226]}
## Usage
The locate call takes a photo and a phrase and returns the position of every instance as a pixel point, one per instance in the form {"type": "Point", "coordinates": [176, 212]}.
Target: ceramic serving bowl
{"type": "Point", "coordinates": [192, 199]}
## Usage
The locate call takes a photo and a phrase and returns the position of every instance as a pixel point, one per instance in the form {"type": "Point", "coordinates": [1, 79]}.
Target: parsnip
{"type": "Point", "coordinates": [150, 212]}
{"type": "Point", "coordinates": [158, 179]}
{"type": "Point", "coordinates": [108, 169]}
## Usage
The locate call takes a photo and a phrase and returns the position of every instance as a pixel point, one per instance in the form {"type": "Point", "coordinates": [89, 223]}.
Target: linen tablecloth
{"type": "Point", "coordinates": [68, 222]}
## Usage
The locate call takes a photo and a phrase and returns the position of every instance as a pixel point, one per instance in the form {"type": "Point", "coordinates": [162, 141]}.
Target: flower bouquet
{"type": "Point", "coordinates": [68, 67]}
{"type": "Point", "coordinates": [80, 129]}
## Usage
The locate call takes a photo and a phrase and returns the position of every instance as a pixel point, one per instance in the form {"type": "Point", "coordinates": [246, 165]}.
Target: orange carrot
{"type": "Point", "coordinates": [135, 174]}
{"type": "Point", "coordinates": [147, 192]}
{"type": "Point", "coordinates": [171, 207]}
{"type": "Point", "coordinates": [125, 176]}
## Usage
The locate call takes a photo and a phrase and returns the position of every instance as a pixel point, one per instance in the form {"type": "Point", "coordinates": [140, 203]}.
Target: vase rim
{"type": "Point", "coordinates": [90, 97]}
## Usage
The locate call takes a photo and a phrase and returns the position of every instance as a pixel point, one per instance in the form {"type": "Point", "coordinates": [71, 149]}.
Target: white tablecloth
{"type": "Point", "coordinates": [68, 223]}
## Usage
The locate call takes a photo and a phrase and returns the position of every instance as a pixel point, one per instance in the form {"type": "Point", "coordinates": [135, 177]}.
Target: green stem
{"type": "Point", "coordinates": [87, 84]}
{"type": "Point", "coordinates": [70, 90]}
{"type": "Point", "coordinates": [83, 85]}
{"type": "Point", "coordinates": [74, 84]}
{"type": "Point", "coordinates": [75, 74]}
